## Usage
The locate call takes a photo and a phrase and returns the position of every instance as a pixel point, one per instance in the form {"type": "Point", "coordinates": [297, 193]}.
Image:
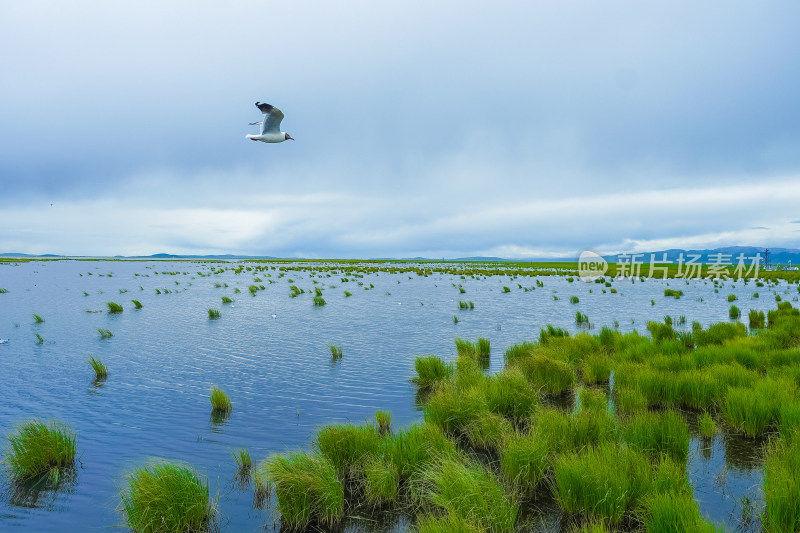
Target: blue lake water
{"type": "Point", "coordinates": [270, 353]}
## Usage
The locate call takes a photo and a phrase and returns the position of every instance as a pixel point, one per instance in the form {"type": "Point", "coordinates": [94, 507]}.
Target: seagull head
{"type": "Point", "coordinates": [288, 137]}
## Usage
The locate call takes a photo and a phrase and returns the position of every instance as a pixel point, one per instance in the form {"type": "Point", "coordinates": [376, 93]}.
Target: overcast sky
{"type": "Point", "coordinates": [430, 128]}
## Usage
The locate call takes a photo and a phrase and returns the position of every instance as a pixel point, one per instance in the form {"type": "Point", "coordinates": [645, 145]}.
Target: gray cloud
{"type": "Point", "coordinates": [420, 128]}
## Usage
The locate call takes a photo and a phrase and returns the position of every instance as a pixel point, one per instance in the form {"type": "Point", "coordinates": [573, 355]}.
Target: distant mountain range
{"type": "Point", "coordinates": [777, 256]}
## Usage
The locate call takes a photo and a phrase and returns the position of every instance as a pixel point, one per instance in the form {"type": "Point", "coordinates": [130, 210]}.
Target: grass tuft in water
{"type": "Point", "coordinates": [105, 333]}
{"type": "Point", "coordinates": [213, 314]}
{"type": "Point", "coordinates": [100, 370]}
{"type": "Point", "coordinates": [39, 448]}
{"type": "Point", "coordinates": [244, 462]}
{"type": "Point", "coordinates": [658, 433]}
{"type": "Point", "coordinates": [757, 319]}
{"type": "Point", "coordinates": [706, 425]}
{"type": "Point", "coordinates": [137, 304]}
{"type": "Point", "coordinates": [319, 301]}
{"type": "Point", "coordinates": [672, 292]}
{"type": "Point", "coordinates": [430, 370]}
{"type": "Point", "coordinates": [384, 420]}
{"type": "Point", "coordinates": [574, 299]}
{"type": "Point", "coordinates": [336, 351]}
{"type": "Point", "coordinates": [307, 489]}
{"type": "Point", "coordinates": [114, 307]}
{"type": "Point", "coordinates": [347, 445]}
{"type": "Point", "coordinates": [38, 318]}
{"type": "Point", "coordinates": [470, 492]}
{"type": "Point", "coordinates": [167, 497]}
{"type": "Point", "coordinates": [39, 339]}
{"type": "Point", "coordinates": [220, 401]}
{"type": "Point", "coordinates": [227, 300]}
{"type": "Point", "coordinates": [734, 312]}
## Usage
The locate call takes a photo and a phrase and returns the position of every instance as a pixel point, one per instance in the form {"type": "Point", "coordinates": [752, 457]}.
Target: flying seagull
{"type": "Point", "coordinates": [270, 126]}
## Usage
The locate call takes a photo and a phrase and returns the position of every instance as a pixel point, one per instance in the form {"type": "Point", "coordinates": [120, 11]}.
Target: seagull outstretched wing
{"type": "Point", "coordinates": [272, 118]}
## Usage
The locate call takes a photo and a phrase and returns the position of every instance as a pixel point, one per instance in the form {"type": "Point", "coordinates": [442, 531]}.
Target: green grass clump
{"type": "Point", "coordinates": [706, 425]}
{"type": "Point", "coordinates": [384, 420]}
{"type": "Point", "coordinates": [506, 289]}
{"type": "Point", "coordinates": [213, 314]}
{"type": "Point", "coordinates": [243, 460]}
{"type": "Point", "coordinates": [603, 482]}
{"type": "Point", "coordinates": [412, 449]}
{"type": "Point", "coordinates": [674, 512]}
{"type": "Point", "coordinates": [336, 351]}
{"type": "Point", "coordinates": [448, 523]}
{"type": "Point", "coordinates": [757, 319]}
{"type": "Point", "coordinates": [220, 401]}
{"type": "Point", "coordinates": [732, 298]}
{"type": "Point", "coordinates": [756, 408]}
{"type": "Point", "coordinates": [227, 300]}
{"type": "Point", "coordinates": [38, 448]}
{"type": "Point", "coordinates": [3, 291]}
{"type": "Point", "coordinates": [348, 293]}
{"type": "Point", "coordinates": [319, 301]}
{"type": "Point", "coordinates": [483, 347]}
{"type": "Point", "coordinates": [658, 433]}
{"type": "Point", "coordinates": [381, 481]}
{"type": "Point", "coordinates": [307, 489]}
{"type": "Point", "coordinates": [508, 393]}
{"type": "Point", "coordinates": [525, 460]}
{"type": "Point", "coordinates": [587, 399]}
{"type": "Point", "coordinates": [100, 371]}
{"type": "Point", "coordinates": [782, 486]}
{"type": "Point", "coordinates": [465, 305]}
{"type": "Point", "coordinates": [431, 370]}
{"type": "Point", "coordinates": [472, 493]}
{"type": "Point", "coordinates": [488, 431]}
{"type": "Point", "coordinates": [673, 293]}
{"type": "Point", "coordinates": [38, 318]}
{"type": "Point", "coordinates": [114, 307]}
{"type": "Point", "coordinates": [137, 304]}
{"type": "Point", "coordinates": [734, 312]}
{"type": "Point", "coordinates": [39, 339]}
{"type": "Point", "coordinates": [105, 333]}
{"type": "Point", "coordinates": [574, 299]}
{"type": "Point", "coordinates": [346, 446]}
{"type": "Point", "coordinates": [596, 368]}
{"type": "Point", "coordinates": [167, 497]}
{"type": "Point", "coordinates": [552, 376]}
{"type": "Point", "coordinates": [295, 291]}
{"type": "Point", "coordinates": [581, 319]}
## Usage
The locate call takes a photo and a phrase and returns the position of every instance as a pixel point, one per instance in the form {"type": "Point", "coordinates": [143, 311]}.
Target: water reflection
{"type": "Point", "coordinates": [42, 491]}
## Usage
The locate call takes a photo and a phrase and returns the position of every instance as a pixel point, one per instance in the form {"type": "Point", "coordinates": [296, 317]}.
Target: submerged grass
{"type": "Point", "coordinates": [39, 448]}
{"type": "Point", "coordinates": [167, 497]}
{"type": "Point", "coordinates": [105, 333]}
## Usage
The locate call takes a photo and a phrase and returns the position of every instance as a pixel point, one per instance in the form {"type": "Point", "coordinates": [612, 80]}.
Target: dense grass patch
{"type": "Point", "coordinates": [346, 446]}
{"type": "Point", "coordinates": [167, 497]}
{"type": "Point", "coordinates": [706, 425]}
{"type": "Point", "coordinates": [470, 492]}
{"type": "Point", "coordinates": [603, 482]}
{"type": "Point", "coordinates": [672, 292]}
{"type": "Point", "coordinates": [307, 489]}
{"type": "Point", "coordinates": [658, 433]}
{"type": "Point", "coordinates": [782, 486]}
{"type": "Point", "coordinates": [674, 512]}
{"type": "Point", "coordinates": [336, 351]}
{"type": "Point", "coordinates": [38, 448]}
{"type": "Point", "coordinates": [552, 376]}
{"type": "Point", "coordinates": [430, 370]}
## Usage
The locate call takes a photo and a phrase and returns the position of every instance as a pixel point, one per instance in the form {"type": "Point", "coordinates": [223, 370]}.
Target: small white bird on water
{"type": "Point", "coordinates": [270, 126]}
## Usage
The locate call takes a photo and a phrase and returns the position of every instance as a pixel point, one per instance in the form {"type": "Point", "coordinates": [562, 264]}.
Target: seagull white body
{"type": "Point", "coordinates": [270, 126]}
